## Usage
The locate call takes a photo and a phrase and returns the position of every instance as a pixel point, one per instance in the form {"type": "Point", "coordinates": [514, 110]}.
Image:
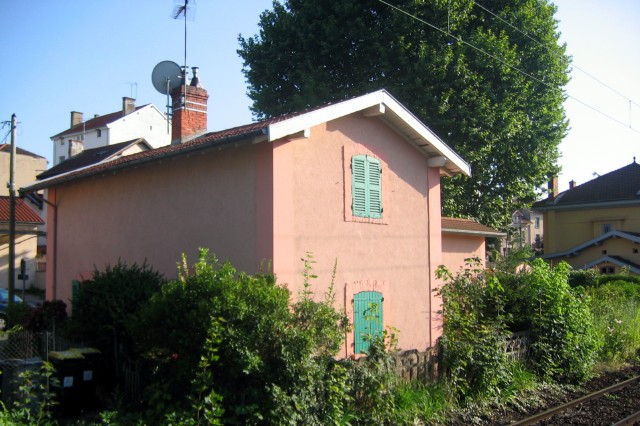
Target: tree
{"type": "Point", "coordinates": [490, 86]}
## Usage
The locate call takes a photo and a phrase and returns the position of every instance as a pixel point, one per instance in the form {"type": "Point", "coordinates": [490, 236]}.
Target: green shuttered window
{"type": "Point", "coordinates": [366, 186]}
{"type": "Point", "coordinates": [367, 319]}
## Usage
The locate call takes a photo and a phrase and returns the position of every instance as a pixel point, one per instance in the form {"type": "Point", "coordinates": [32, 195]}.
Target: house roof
{"type": "Point", "coordinates": [616, 260]}
{"type": "Point", "coordinates": [89, 157]}
{"type": "Point", "coordinates": [377, 104]}
{"type": "Point", "coordinates": [468, 227]}
{"type": "Point", "coordinates": [94, 123]}
{"type": "Point", "coordinates": [620, 186]}
{"type": "Point", "coordinates": [7, 148]}
{"type": "Point", "coordinates": [24, 214]}
{"type": "Point", "coordinates": [634, 237]}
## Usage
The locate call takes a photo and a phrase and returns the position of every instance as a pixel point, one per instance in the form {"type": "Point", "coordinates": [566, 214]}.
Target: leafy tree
{"type": "Point", "coordinates": [491, 86]}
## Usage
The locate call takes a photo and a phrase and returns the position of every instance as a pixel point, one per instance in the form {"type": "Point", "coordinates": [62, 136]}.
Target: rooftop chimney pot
{"type": "Point", "coordinates": [76, 118]}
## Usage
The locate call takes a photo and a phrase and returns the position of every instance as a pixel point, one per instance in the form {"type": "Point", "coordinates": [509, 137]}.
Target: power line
{"type": "Point", "coordinates": [459, 39]}
{"type": "Point", "coordinates": [540, 44]}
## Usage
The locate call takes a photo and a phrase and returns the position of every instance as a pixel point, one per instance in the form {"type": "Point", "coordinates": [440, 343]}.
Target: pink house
{"type": "Point", "coordinates": [357, 182]}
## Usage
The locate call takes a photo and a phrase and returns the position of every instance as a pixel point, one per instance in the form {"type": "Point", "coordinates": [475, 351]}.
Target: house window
{"type": "Point", "coordinates": [537, 223]}
{"type": "Point", "coordinates": [366, 186]}
{"type": "Point", "coordinates": [99, 133]}
{"type": "Point", "coordinates": [367, 319]}
{"type": "Point", "coordinates": [635, 251]}
{"type": "Point", "coordinates": [607, 270]}
{"type": "Point", "coordinates": [604, 252]}
{"type": "Point", "coordinates": [607, 228]}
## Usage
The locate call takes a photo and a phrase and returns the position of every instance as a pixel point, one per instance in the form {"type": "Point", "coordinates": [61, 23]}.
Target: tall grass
{"type": "Point", "coordinates": [616, 309]}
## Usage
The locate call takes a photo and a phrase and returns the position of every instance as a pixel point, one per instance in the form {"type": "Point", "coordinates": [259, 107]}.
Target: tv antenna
{"type": "Point", "coordinates": [165, 77]}
{"type": "Point", "coordinates": [184, 9]}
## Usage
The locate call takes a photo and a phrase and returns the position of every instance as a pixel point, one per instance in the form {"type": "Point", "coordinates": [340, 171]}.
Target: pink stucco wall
{"type": "Point", "coordinates": [271, 202]}
{"type": "Point", "coordinates": [392, 255]}
{"type": "Point", "coordinates": [456, 248]}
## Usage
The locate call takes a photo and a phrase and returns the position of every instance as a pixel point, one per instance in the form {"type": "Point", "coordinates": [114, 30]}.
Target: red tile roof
{"type": "Point", "coordinates": [24, 214]}
{"type": "Point", "coordinates": [470, 226]}
{"type": "Point", "coordinates": [94, 123]}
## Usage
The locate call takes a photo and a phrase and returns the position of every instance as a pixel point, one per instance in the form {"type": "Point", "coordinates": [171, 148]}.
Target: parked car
{"type": "Point", "coordinates": [4, 306]}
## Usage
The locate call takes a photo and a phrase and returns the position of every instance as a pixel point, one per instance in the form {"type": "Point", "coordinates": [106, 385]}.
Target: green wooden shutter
{"type": "Point", "coordinates": [75, 288]}
{"type": "Point", "coordinates": [375, 188]}
{"type": "Point", "coordinates": [359, 185]}
{"type": "Point", "coordinates": [367, 319]}
{"type": "Point", "coordinates": [366, 186]}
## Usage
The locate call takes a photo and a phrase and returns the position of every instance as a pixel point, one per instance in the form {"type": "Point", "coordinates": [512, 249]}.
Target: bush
{"type": "Point", "coordinates": [583, 278]}
{"type": "Point", "coordinates": [104, 307]}
{"type": "Point", "coordinates": [273, 360]}
{"type": "Point", "coordinates": [564, 342]}
{"type": "Point", "coordinates": [616, 309]}
{"type": "Point", "coordinates": [474, 331]}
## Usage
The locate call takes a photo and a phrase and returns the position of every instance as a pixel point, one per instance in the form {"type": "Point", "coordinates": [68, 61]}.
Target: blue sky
{"type": "Point", "coordinates": [72, 55]}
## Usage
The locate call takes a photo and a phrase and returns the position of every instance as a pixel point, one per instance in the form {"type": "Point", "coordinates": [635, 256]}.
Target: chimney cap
{"type": "Point", "coordinates": [195, 81]}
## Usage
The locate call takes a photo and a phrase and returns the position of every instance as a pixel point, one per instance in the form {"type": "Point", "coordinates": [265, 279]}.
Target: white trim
{"type": "Point", "coordinates": [611, 260]}
{"type": "Point", "coordinates": [426, 137]}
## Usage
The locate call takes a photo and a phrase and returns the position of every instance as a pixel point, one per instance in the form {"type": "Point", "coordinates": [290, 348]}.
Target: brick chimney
{"type": "Point", "coordinates": [553, 188]}
{"type": "Point", "coordinates": [128, 105]}
{"type": "Point", "coordinates": [76, 118]}
{"type": "Point", "coordinates": [189, 113]}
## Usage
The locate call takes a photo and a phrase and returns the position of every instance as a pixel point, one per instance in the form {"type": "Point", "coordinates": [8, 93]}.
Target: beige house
{"type": "Point", "coordinates": [31, 244]}
{"type": "Point", "coordinates": [596, 224]}
{"type": "Point", "coordinates": [356, 181]}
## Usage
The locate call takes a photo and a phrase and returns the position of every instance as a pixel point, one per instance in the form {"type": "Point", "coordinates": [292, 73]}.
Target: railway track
{"type": "Point", "coordinates": [600, 407]}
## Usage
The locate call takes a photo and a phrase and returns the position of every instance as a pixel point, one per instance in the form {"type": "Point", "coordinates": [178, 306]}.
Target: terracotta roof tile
{"type": "Point", "coordinates": [24, 214]}
{"type": "Point", "coordinates": [94, 123]}
{"type": "Point", "coordinates": [467, 225]}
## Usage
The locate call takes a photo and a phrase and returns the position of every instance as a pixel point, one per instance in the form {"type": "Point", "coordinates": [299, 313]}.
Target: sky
{"type": "Point", "coordinates": [70, 55]}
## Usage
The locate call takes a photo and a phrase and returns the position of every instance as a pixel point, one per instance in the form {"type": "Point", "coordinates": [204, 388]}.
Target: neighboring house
{"type": "Point", "coordinates": [357, 182]}
{"type": "Point", "coordinates": [596, 224]}
{"type": "Point", "coordinates": [526, 230]}
{"type": "Point", "coordinates": [27, 166]}
{"type": "Point", "coordinates": [131, 122]}
{"type": "Point", "coordinates": [26, 242]}
{"type": "Point", "coordinates": [463, 239]}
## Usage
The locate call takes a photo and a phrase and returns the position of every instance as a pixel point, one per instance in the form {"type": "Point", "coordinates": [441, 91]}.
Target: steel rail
{"type": "Point", "coordinates": [559, 409]}
{"type": "Point", "coordinates": [630, 420]}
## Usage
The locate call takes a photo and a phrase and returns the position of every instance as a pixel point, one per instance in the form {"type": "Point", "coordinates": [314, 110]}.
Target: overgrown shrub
{"type": "Point", "coordinates": [474, 332]}
{"type": "Point", "coordinates": [104, 306]}
{"type": "Point", "coordinates": [616, 309]}
{"type": "Point", "coordinates": [46, 316]}
{"type": "Point", "coordinates": [585, 278]}
{"type": "Point", "coordinates": [274, 361]}
{"type": "Point", "coordinates": [564, 342]}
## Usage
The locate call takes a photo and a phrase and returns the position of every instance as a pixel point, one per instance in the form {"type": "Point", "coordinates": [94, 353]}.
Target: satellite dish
{"type": "Point", "coordinates": [166, 76]}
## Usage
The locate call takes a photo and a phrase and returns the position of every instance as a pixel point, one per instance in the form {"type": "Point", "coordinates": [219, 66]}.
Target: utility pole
{"type": "Point", "coordinates": [12, 214]}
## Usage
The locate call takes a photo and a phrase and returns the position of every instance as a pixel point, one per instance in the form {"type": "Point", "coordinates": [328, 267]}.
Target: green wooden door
{"type": "Point", "coordinates": [367, 319]}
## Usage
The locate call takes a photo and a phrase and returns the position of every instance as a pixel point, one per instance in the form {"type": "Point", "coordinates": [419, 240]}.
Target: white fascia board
{"type": "Point", "coordinates": [385, 100]}
{"type": "Point", "coordinates": [611, 260]}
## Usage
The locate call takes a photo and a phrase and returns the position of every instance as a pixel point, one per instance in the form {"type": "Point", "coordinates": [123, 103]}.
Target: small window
{"type": "Point", "coordinates": [607, 270]}
{"type": "Point", "coordinates": [604, 252]}
{"type": "Point", "coordinates": [537, 223]}
{"type": "Point", "coordinates": [607, 228]}
{"type": "Point", "coordinates": [99, 133]}
{"type": "Point", "coordinates": [366, 186]}
{"type": "Point", "coordinates": [367, 319]}
{"type": "Point", "coordinates": [635, 251]}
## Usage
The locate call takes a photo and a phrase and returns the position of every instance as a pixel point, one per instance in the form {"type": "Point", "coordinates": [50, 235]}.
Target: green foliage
{"type": "Point", "coordinates": [507, 124]}
{"type": "Point", "coordinates": [616, 309]}
{"type": "Point", "coordinates": [564, 342]}
{"type": "Point", "coordinates": [604, 279]}
{"type": "Point", "coordinates": [474, 331]}
{"type": "Point", "coordinates": [418, 403]}
{"type": "Point", "coordinates": [585, 278]}
{"type": "Point", "coordinates": [33, 402]}
{"type": "Point", "coordinates": [260, 359]}
{"type": "Point", "coordinates": [105, 305]}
